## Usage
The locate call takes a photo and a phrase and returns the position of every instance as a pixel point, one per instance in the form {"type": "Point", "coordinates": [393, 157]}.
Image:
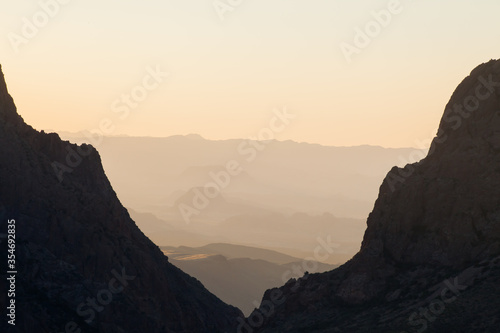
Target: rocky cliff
{"type": "Point", "coordinates": [429, 258]}
{"type": "Point", "coordinates": [83, 265]}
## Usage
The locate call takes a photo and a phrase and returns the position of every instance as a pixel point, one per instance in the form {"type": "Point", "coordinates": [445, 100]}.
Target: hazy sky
{"type": "Point", "coordinates": [226, 76]}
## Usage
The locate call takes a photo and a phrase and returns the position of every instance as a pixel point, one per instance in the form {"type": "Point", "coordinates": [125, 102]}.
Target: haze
{"type": "Point", "coordinates": [226, 76]}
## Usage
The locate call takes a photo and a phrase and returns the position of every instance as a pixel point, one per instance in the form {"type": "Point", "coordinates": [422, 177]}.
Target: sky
{"type": "Point", "coordinates": [350, 72]}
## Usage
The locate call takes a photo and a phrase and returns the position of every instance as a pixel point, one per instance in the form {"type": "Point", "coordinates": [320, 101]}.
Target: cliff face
{"type": "Point", "coordinates": [82, 262]}
{"type": "Point", "coordinates": [445, 209]}
{"type": "Point", "coordinates": [435, 222]}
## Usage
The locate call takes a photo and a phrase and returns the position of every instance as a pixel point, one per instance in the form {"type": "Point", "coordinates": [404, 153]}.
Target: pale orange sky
{"type": "Point", "coordinates": [226, 76]}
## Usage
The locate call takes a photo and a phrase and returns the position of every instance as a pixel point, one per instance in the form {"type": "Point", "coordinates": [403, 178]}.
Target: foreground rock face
{"type": "Point", "coordinates": [429, 259]}
{"type": "Point", "coordinates": [83, 265]}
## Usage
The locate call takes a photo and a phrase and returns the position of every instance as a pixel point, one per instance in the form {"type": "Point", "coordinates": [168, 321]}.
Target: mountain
{"type": "Point", "coordinates": [163, 233]}
{"type": "Point", "coordinates": [429, 260]}
{"type": "Point", "coordinates": [296, 235]}
{"type": "Point", "coordinates": [299, 231]}
{"type": "Point", "coordinates": [82, 263]}
{"type": "Point", "coordinates": [239, 251]}
{"type": "Point", "coordinates": [218, 209]}
{"type": "Point", "coordinates": [284, 196]}
{"type": "Point", "coordinates": [239, 275]}
{"type": "Point", "coordinates": [285, 177]}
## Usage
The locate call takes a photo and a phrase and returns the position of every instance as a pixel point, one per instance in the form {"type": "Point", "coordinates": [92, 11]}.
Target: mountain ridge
{"type": "Point", "coordinates": [75, 241]}
{"type": "Point", "coordinates": [80, 136]}
{"type": "Point", "coordinates": [434, 229]}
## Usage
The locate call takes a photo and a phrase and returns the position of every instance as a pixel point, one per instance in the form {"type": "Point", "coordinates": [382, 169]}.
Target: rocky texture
{"type": "Point", "coordinates": [74, 238]}
{"type": "Point", "coordinates": [435, 223]}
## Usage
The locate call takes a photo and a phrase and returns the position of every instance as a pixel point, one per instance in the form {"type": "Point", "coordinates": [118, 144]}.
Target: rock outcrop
{"type": "Point", "coordinates": [429, 258]}
{"type": "Point", "coordinates": [83, 265]}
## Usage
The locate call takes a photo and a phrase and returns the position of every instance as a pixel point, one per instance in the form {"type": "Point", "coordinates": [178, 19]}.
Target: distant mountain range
{"type": "Point", "coordinates": [285, 198]}
{"type": "Point", "coordinates": [239, 275]}
{"type": "Point", "coordinates": [151, 174]}
{"type": "Point", "coordinates": [296, 235]}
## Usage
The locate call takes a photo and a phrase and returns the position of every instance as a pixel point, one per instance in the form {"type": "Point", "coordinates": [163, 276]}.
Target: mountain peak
{"type": "Point", "coordinates": [4, 94]}
{"type": "Point", "coordinates": [194, 136]}
{"type": "Point", "coordinates": [76, 235]}
{"type": "Point", "coordinates": [3, 85]}
{"type": "Point", "coordinates": [442, 209]}
{"type": "Point", "coordinates": [8, 111]}
{"type": "Point", "coordinates": [472, 116]}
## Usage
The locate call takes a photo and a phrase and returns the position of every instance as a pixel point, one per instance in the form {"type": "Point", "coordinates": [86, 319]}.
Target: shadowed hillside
{"type": "Point", "coordinates": [82, 262]}
{"type": "Point", "coordinates": [429, 261]}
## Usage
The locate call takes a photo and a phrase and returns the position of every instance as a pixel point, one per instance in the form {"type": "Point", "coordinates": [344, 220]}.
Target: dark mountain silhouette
{"type": "Point", "coordinates": [82, 262]}
{"type": "Point", "coordinates": [429, 261]}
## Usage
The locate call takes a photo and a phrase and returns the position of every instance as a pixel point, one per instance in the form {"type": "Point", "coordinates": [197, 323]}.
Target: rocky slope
{"type": "Point", "coordinates": [83, 265]}
{"type": "Point", "coordinates": [429, 260]}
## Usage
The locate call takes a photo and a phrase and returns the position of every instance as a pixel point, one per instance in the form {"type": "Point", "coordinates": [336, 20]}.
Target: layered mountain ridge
{"type": "Point", "coordinates": [429, 258]}
{"type": "Point", "coordinates": [82, 262]}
